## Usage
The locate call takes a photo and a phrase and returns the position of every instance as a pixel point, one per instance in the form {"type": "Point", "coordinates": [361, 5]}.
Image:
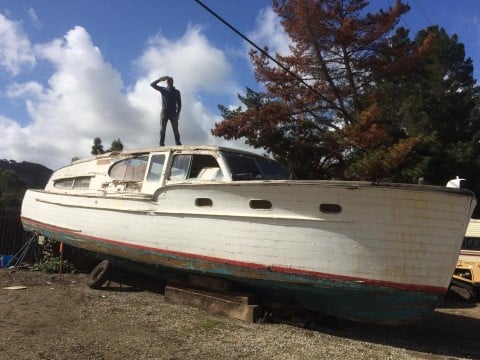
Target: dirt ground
{"type": "Point", "coordinates": [61, 318]}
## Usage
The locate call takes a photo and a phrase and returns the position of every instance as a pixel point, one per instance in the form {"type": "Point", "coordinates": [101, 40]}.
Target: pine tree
{"type": "Point", "coordinates": [329, 124]}
{"type": "Point", "coordinates": [439, 105]}
{"type": "Point", "coordinates": [116, 145]}
{"type": "Point", "coordinates": [97, 147]}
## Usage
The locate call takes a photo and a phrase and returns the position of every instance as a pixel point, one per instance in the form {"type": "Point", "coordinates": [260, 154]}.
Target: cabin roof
{"type": "Point", "coordinates": [148, 150]}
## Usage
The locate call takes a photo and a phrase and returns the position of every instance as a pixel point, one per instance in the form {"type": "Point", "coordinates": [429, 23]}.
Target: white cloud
{"type": "Point", "coordinates": [270, 32]}
{"type": "Point", "coordinates": [37, 24]}
{"type": "Point", "coordinates": [192, 61]}
{"type": "Point", "coordinates": [30, 88]}
{"type": "Point", "coordinates": [15, 49]}
{"type": "Point", "coordinates": [85, 98]}
{"type": "Point", "coordinates": [196, 66]}
{"type": "Point", "coordinates": [9, 130]}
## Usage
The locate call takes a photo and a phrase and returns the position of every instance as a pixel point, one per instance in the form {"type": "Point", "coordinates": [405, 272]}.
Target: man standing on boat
{"type": "Point", "coordinates": [171, 106]}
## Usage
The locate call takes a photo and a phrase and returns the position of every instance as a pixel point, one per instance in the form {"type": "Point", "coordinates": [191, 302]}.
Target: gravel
{"type": "Point", "coordinates": [59, 317]}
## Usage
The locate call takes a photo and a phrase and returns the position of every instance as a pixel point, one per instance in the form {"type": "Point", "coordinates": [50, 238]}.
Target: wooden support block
{"type": "Point", "coordinates": [219, 305]}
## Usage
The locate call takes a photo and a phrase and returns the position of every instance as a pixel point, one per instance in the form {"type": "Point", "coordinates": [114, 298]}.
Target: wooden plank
{"type": "Point", "coordinates": [215, 303]}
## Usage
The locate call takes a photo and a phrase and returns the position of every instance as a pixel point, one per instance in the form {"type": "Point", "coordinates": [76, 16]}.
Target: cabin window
{"type": "Point", "coordinates": [187, 166]}
{"type": "Point", "coordinates": [271, 170]}
{"type": "Point", "coordinates": [63, 183]}
{"type": "Point", "coordinates": [156, 167]}
{"type": "Point", "coordinates": [471, 243]}
{"type": "Point", "coordinates": [330, 208]}
{"type": "Point", "coordinates": [210, 173]}
{"type": "Point", "coordinates": [82, 182]}
{"type": "Point", "coordinates": [180, 167]}
{"type": "Point", "coordinates": [132, 169]}
{"type": "Point", "coordinates": [204, 167]}
{"type": "Point", "coordinates": [245, 167]}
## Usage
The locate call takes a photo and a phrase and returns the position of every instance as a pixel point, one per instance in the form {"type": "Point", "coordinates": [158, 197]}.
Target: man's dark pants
{"type": "Point", "coordinates": [163, 126]}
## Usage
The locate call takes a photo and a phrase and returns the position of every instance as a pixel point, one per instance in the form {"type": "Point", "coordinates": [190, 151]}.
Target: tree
{"type": "Point", "coordinates": [11, 189]}
{"type": "Point", "coordinates": [9, 182]}
{"type": "Point", "coordinates": [116, 145]}
{"type": "Point", "coordinates": [97, 147]}
{"type": "Point", "coordinates": [331, 118]}
{"type": "Point", "coordinates": [435, 104]}
{"type": "Point", "coordinates": [447, 122]}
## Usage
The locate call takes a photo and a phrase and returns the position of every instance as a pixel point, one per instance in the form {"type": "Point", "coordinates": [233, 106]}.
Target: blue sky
{"type": "Point", "coordinates": [73, 70]}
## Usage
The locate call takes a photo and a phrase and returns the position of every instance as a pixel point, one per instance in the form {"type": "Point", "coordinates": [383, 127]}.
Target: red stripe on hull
{"type": "Point", "coordinates": [247, 265]}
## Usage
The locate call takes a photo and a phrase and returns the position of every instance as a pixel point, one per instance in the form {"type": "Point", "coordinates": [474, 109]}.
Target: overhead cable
{"type": "Point", "coordinates": [423, 13]}
{"type": "Point", "coordinates": [257, 47]}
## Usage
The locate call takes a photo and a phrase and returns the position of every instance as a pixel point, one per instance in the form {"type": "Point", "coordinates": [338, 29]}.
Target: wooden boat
{"type": "Point", "coordinates": [376, 252]}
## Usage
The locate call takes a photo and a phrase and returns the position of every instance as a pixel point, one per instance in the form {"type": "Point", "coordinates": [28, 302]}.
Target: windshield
{"type": "Point", "coordinates": [131, 169]}
{"type": "Point", "coordinates": [248, 167]}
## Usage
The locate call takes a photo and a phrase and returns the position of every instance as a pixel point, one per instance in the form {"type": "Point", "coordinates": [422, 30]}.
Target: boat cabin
{"type": "Point", "coordinates": [142, 172]}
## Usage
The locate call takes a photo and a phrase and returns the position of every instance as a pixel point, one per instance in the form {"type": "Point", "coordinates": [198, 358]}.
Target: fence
{"type": "Point", "coordinates": [12, 235]}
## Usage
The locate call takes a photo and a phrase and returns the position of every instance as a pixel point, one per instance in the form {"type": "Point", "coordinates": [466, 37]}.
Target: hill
{"type": "Point", "coordinates": [32, 175]}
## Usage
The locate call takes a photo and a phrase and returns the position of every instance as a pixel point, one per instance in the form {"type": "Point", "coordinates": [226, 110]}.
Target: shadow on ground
{"type": "Point", "coordinates": [446, 332]}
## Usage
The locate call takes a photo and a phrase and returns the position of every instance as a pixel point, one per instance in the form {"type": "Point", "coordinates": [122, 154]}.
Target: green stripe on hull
{"type": "Point", "coordinates": [366, 303]}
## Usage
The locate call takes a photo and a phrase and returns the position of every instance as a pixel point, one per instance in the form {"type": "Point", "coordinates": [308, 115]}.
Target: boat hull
{"type": "Point", "coordinates": [387, 257]}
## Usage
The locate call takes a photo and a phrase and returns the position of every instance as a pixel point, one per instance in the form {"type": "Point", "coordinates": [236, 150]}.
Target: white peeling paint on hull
{"type": "Point", "coordinates": [369, 240]}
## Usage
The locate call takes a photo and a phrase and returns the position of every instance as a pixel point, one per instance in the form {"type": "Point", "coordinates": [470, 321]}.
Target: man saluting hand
{"type": "Point", "coordinates": [171, 106]}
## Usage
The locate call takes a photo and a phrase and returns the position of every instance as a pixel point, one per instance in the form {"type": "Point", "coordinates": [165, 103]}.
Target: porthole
{"type": "Point", "coordinates": [203, 202]}
{"type": "Point", "coordinates": [260, 204]}
{"type": "Point", "coordinates": [330, 208]}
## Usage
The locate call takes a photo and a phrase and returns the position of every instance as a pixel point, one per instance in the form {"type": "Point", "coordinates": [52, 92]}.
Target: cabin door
{"type": "Point", "coordinates": [155, 174]}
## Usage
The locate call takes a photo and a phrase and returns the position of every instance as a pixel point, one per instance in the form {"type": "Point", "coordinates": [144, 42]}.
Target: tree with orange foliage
{"type": "Point", "coordinates": [326, 116]}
